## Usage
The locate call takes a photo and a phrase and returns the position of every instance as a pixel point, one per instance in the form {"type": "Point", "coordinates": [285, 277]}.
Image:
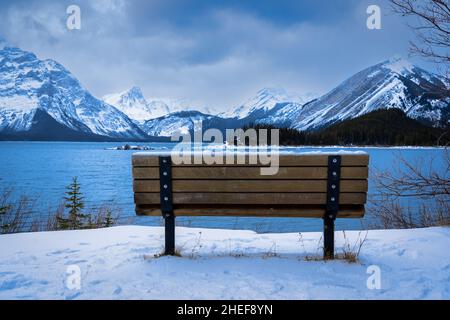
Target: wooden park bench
{"type": "Point", "coordinates": [326, 186]}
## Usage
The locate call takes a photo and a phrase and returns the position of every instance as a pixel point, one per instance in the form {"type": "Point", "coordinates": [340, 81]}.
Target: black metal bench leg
{"type": "Point", "coordinates": [328, 237]}
{"type": "Point", "coordinates": [169, 235]}
{"type": "Point", "coordinates": [332, 205]}
{"type": "Point", "coordinates": [166, 203]}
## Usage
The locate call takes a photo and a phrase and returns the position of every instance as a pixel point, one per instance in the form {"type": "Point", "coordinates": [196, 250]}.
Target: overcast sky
{"type": "Point", "coordinates": [215, 52]}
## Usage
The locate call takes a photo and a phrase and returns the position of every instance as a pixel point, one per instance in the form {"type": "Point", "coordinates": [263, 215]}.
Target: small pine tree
{"type": "Point", "coordinates": [3, 211]}
{"type": "Point", "coordinates": [109, 220]}
{"type": "Point", "coordinates": [75, 203]}
{"type": "Point", "coordinates": [62, 222]}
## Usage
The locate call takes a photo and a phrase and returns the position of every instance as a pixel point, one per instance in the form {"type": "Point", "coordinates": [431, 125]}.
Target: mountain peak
{"type": "Point", "coordinates": [126, 98]}
{"type": "Point", "coordinates": [135, 92]}
{"type": "Point", "coordinates": [16, 54]}
{"type": "Point", "coordinates": [133, 103]}
{"type": "Point", "coordinates": [398, 64]}
{"type": "Point", "coordinates": [394, 83]}
{"type": "Point", "coordinates": [272, 91]}
{"type": "Point", "coordinates": [266, 99]}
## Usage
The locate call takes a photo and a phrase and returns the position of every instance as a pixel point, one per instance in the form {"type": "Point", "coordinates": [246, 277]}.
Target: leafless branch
{"type": "Point", "coordinates": [432, 27]}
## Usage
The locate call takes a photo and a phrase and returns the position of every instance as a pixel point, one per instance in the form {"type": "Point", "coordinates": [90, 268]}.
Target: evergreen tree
{"type": "Point", "coordinates": [3, 211]}
{"type": "Point", "coordinates": [109, 220]}
{"type": "Point", "coordinates": [380, 127]}
{"type": "Point", "coordinates": [75, 203]}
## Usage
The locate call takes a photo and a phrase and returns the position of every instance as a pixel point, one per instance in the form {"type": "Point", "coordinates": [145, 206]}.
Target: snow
{"type": "Point", "coordinates": [133, 103]}
{"type": "Point", "coordinates": [373, 74]}
{"type": "Point", "coordinates": [18, 103]}
{"type": "Point", "coordinates": [393, 89]}
{"type": "Point", "coordinates": [174, 123]}
{"type": "Point", "coordinates": [119, 263]}
{"type": "Point", "coordinates": [185, 104]}
{"type": "Point", "coordinates": [266, 99]}
{"type": "Point", "coordinates": [135, 106]}
{"type": "Point", "coordinates": [399, 65]}
{"type": "Point", "coordinates": [249, 150]}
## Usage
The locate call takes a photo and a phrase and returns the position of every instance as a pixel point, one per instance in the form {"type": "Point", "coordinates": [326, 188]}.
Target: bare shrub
{"type": "Point", "coordinates": [15, 214]}
{"type": "Point", "coordinates": [350, 252]}
{"type": "Point", "coordinates": [420, 178]}
{"type": "Point", "coordinates": [103, 217]}
{"type": "Point", "coordinates": [389, 213]}
{"type": "Point", "coordinates": [308, 257]}
{"type": "Point", "coordinates": [196, 247]}
{"type": "Point", "coordinates": [272, 252]}
{"type": "Point", "coordinates": [431, 26]}
{"type": "Point", "coordinates": [424, 182]}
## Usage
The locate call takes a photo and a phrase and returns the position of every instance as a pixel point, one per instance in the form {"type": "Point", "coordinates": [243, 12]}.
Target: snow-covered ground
{"type": "Point", "coordinates": [118, 263]}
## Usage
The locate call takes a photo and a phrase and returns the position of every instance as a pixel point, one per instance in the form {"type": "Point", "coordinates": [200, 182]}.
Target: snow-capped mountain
{"type": "Point", "coordinates": [265, 101]}
{"type": "Point", "coordinates": [394, 83]}
{"type": "Point", "coordinates": [184, 104]}
{"type": "Point", "coordinates": [269, 106]}
{"type": "Point", "coordinates": [40, 98]}
{"type": "Point", "coordinates": [175, 123]}
{"type": "Point", "coordinates": [133, 103]}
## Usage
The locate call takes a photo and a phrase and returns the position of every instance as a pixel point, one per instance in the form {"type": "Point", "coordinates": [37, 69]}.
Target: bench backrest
{"type": "Point", "coordinates": [299, 189]}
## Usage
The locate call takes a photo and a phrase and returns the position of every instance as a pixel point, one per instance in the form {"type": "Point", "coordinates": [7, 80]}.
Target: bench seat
{"type": "Point", "coordinates": [324, 185]}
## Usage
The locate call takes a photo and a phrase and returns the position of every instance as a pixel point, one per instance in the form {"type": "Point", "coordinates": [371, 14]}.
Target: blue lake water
{"type": "Point", "coordinates": [42, 170]}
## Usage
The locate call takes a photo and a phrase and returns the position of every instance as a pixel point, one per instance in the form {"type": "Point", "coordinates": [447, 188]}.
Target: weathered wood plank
{"type": "Point", "coordinates": [249, 198]}
{"type": "Point", "coordinates": [312, 160]}
{"type": "Point", "coordinates": [249, 186]}
{"type": "Point", "coordinates": [304, 211]}
{"type": "Point", "coordinates": [244, 173]}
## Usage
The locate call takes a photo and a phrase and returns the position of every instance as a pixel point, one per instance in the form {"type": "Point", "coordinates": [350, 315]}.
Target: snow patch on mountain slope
{"type": "Point", "coordinates": [281, 115]}
{"type": "Point", "coordinates": [399, 65]}
{"type": "Point", "coordinates": [174, 123]}
{"type": "Point", "coordinates": [265, 100]}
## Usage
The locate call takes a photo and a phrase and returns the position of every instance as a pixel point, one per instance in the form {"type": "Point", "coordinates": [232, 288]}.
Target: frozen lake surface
{"type": "Point", "coordinates": [42, 170]}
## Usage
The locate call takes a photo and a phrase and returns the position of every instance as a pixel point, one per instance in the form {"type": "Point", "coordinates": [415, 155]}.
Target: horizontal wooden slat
{"type": "Point", "coordinates": [311, 160]}
{"type": "Point", "coordinates": [249, 186]}
{"type": "Point", "coordinates": [206, 172]}
{"type": "Point", "coordinates": [250, 198]}
{"type": "Point", "coordinates": [303, 211]}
